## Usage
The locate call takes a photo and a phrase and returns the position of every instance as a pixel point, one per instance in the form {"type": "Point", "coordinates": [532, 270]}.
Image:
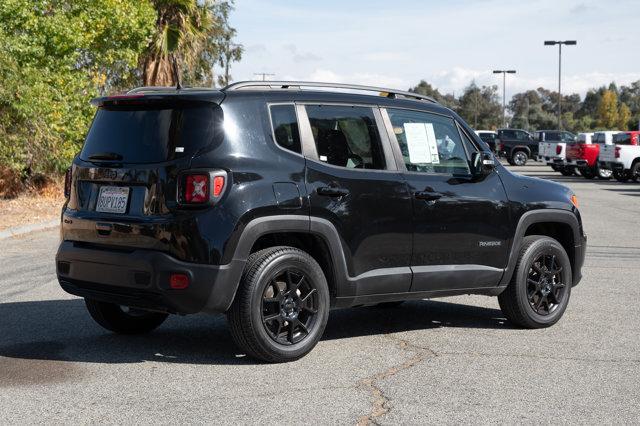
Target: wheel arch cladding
{"type": "Point", "coordinates": [561, 225]}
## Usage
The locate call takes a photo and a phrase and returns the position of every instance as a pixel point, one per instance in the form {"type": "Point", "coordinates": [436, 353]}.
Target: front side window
{"type": "Point", "coordinates": [285, 127]}
{"type": "Point", "coordinates": [429, 143]}
{"type": "Point", "coordinates": [346, 136]}
{"type": "Point", "coordinates": [523, 136]}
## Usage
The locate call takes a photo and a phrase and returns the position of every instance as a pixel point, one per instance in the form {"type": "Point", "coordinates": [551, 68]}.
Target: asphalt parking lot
{"type": "Point", "coordinates": [452, 360]}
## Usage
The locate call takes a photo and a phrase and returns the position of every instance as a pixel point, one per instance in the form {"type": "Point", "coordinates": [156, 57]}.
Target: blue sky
{"type": "Point", "coordinates": [448, 43]}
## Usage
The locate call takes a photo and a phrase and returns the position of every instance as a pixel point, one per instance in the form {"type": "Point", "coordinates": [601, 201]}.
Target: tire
{"type": "Point", "coordinates": [124, 320]}
{"type": "Point", "coordinates": [587, 172]}
{"type": "Point", "coordinates": [528, 304]}
{"type": "Point", "coordinates": [519, 158]}
{"type": "Point", "coordinates": [622, 176]}
{"type": "Point", "coordinates": [556, 168]}
{"type": "Point", "coordinates": [604, 174]}
{"type": "Point", "coordinates": [567, 171]}
{"type": "Point", "coordinates": [635, 171]}
{"type": "Point", "coordinates": [266, 305]}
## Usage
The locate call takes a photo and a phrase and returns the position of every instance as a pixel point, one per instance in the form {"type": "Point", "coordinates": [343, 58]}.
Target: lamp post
{"type": "Point", "coordinates": [560, 43]}
{"type": "Point", "coordinates": [504, 79]}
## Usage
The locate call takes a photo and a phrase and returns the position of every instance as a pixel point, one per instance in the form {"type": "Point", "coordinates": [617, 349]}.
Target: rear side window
{"type": "Point", "coordinates": [429, 143]}
{"type": "Point", "coordinates": [622, 139]}
{"type": "Point", "coordinates": [285, 127]}
{"type": "Point", "coordinates": [487, 137]}
{"type": "Point", "coordinates": [346, 136]}
{"type": "Point", "coordinates": [150, 134]}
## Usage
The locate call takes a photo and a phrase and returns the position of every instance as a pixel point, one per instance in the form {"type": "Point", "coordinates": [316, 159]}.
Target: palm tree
{"type": "Point", "coordinates": [182, 26]}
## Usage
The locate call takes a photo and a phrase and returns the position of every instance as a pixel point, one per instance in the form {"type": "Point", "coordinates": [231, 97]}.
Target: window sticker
{"type": "Point", "coordinates": [433, 145]}
{"type": "Point", "coordinates": [421, 143]}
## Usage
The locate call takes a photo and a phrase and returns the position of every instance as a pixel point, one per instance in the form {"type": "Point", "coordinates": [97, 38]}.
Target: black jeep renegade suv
{"type": "Point", "coordinates": [273, 202]}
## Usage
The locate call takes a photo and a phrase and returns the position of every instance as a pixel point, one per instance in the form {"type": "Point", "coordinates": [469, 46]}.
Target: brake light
{"type": "Point", "coordinates": [201, 187]}
{"type": "Point", "coordinates": [558, 149]}
{"type": "Point", "coordinates": [67, 183]}
{"type": "Point", "coordinates": [178, 281]}
{"type": "Point", "coordinates": [501, 146]}
{"type": "Point", "coordinates": [196, 188]}
{"type": "Point", "coordinates": [634, 139]}
{"type": "Point", "coordinates": [218, 185]}
{"type": "Point", "coordinates": [617, 152]}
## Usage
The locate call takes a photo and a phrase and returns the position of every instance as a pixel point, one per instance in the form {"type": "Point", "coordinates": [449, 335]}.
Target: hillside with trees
{"type": "Point", "coordinates": [603, 108]}
{"type": "Point", "coordinates": [58, 54]}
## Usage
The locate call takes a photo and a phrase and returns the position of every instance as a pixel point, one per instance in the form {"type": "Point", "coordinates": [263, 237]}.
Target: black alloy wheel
{"type": "Point", "coordinates": [545, 286]}
{"type": "Point", "coordinates": [282, 305]}
{"type": "Point", "coordinates": [289, 307]}
{"type": "Point", "coordinates": [540, 286]}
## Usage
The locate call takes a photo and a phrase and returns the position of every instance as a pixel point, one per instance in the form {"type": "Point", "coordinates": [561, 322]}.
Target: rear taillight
{"type": "Point", "coordinates": [196, 189]}
{"type": "Point", "coordinates": [67, 183]}
{"type": "Point", "coordinates": [558, 149]}
{"type": "Point", "coordinates": [501, 146]}
{"type": "Point", "coordinates": [634, 139]}
{"type": "Point", "coordinates": [617, 152]}
{"type": "Point", "coordinates": [201, 187]}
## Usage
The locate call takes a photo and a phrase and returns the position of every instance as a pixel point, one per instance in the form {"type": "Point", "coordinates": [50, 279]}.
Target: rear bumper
{"type": "Point", "coordinates": [140, 278]}
{"type": "Point", "coordinates": [617, 167]}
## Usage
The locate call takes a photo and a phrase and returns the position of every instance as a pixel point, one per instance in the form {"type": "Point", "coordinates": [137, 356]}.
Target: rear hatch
{"type": "Point", "coordinates": [125, 180]}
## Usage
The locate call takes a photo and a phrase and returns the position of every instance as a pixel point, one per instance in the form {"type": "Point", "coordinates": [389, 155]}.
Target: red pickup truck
{"type": "Point", "coordinates": [584, 154]}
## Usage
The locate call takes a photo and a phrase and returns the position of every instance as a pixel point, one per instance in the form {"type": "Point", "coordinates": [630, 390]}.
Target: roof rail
{"type": "Point", "coordinates": [151, 89]}
{"type": "Point", "coordinates": [389, 93]}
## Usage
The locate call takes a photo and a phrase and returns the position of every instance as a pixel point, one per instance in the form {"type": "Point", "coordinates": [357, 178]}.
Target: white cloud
{"type": "Point", "coordinates": [368, 79]}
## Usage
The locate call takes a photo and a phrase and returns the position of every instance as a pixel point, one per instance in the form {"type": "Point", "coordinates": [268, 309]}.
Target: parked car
{"type": "Point", "coordinates": [274, 201]}
{"type": "Point", "coordinates": [488, 137]}
{"type": "Point", "coordinates": [552, 151]}
{"type": "Point", "coordinates": [623, 156]}
{"type": "Point", "coordinates": [583, 155]}
{"type": "Point", "coordinates": [517, 146]}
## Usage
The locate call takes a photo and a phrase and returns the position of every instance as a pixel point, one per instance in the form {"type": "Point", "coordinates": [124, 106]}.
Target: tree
{"type": "Point", "coordinates": [190, 37]}
{"type": "Point", "coordinates": [608, 110]}
{"type": "Point", "coordinates": [624, 115]}
{"type": "Point", "coordinates": [424, 88]}
{"type": "Point", "coordinates": [480, 106]}
{"type": "Point", "coordinates": [55, 56]}
{"type": "Point", "coordinates": [532, 110]}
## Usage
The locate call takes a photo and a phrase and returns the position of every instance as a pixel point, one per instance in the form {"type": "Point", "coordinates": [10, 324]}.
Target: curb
{"type": "Point", "coordinates": [25, 229]}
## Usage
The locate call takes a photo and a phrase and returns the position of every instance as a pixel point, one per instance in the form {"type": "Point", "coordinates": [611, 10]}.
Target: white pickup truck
{"type": "Point", "coordinates": [552, 149]}
{"type": "Point", "coordinates": [623, 156]}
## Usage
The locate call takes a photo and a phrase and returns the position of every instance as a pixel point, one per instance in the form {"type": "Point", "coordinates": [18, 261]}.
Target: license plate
{"type": "Point", "coordinates": [112, 199]}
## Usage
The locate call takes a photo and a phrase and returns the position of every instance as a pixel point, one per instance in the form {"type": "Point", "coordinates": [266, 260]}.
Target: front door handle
{"type": "Point", "coordinates": [331, 191]}
{"type": "Point", "coordinates": [427, 196]}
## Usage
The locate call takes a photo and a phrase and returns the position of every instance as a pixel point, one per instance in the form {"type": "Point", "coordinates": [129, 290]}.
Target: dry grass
{"type": "Point", "coordinates": [32, 206]}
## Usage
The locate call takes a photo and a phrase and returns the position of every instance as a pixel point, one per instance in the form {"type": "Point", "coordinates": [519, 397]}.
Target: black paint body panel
{"type": "Point", "coordinates": [383, 243]}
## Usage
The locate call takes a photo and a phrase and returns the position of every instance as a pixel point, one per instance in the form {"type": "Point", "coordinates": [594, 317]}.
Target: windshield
{"type": "Point", "coordinates": [150, 134]}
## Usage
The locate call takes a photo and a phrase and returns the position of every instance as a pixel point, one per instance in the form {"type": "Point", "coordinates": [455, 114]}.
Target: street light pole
{"type": "Point", "coordinates": [504, 96]}
{"type": "Point", "coordinates": [560, 43]}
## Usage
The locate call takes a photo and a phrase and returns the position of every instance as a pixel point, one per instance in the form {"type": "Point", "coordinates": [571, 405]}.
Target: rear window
{"type": "Point", "coordinates": [622, 139]}
{"type": "Point", "coordinates": [487, 136]}
{"type": "Point", "coordinates": [150, 134]}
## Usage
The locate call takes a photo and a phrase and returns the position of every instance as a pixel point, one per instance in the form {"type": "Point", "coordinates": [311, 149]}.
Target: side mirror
{"type": "Point", "coordinates": [483, 163]}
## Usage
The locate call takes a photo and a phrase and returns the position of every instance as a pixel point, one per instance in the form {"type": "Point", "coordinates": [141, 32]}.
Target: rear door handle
{"type": "Point", "coordinates": [331, 191]}
{"type": "Point", "coordinates": [427, 196]}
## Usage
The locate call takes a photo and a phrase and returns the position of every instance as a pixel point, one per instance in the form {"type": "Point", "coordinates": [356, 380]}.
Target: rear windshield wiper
{"type": "Point", "coordinates": [108, 156]}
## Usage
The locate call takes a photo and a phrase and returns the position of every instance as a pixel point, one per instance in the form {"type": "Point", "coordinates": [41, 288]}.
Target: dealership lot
{"type": "Point", "coordinates": [447, 360]}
